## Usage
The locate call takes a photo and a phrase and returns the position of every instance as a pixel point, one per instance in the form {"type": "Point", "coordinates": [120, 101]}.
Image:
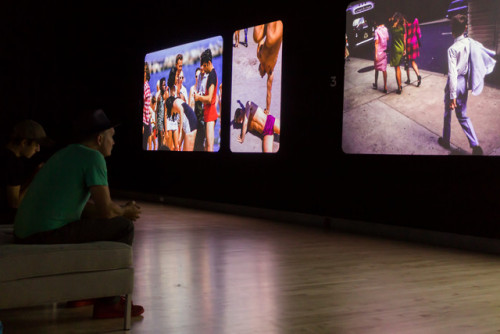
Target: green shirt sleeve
{"type": "Point", "coordinates": [96, 173]}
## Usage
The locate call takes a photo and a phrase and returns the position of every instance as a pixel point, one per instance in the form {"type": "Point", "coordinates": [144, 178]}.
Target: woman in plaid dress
{"type": "Point", "coordinates": [413, 36]}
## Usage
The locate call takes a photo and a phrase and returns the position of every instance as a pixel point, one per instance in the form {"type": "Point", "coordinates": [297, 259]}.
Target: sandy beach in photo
{"type": "Point", "coordinates": [248, 85]}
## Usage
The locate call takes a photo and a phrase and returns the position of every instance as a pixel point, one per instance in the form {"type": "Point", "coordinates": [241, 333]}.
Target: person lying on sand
{"type": "Point", "coordinates": [253, 118]}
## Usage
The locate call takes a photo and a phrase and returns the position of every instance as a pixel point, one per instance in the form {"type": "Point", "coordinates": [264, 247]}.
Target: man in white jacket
{"type": "Point", "coordinates": [468, 63]}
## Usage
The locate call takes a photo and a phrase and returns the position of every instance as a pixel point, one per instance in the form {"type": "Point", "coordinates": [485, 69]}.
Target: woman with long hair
{"type": "Point", "coordinates": [179, 110]}
{"type": "Point", "coordinates": [172, 117]}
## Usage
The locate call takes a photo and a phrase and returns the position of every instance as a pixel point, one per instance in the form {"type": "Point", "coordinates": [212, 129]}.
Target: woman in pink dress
{"type": "Point", "coordinates": [381, 36]}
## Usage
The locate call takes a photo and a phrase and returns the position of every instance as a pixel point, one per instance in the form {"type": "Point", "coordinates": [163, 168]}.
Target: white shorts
{"type": "Point", "coordinates": [173, 124]}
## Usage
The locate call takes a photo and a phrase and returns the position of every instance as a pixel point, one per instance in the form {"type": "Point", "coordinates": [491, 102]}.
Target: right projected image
{"type": "Point", "coordinates": [256, 89]}
{"type": "Point", "coordinates": [421, 78]}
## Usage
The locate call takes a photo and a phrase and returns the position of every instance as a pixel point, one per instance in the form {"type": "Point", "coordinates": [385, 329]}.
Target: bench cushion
{"type": "Point", "coordinates": [29, 261]}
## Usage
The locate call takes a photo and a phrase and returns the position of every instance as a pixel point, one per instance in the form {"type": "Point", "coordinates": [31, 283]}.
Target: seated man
{"type": "Point", "coordinates": [24, 142]}
{"type": "Point", "coordinates": [69, 201]}
{"type": "Point", "coordinates": [255, 119]}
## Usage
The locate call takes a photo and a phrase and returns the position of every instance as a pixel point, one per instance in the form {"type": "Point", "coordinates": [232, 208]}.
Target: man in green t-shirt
{"type": "Point", "coordinates": [69, 199]}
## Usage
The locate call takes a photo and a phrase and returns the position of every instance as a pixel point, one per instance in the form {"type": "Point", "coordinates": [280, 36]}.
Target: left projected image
{"type": "Point", "coordinates": [182, 97]}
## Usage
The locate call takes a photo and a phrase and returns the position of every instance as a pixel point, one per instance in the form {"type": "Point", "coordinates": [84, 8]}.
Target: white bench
{"type": "Point", "coordinates": [41, 274]}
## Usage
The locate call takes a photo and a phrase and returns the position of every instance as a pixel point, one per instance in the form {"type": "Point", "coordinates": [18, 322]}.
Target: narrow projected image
{"type": "Point", "coordinates": [256, 89]}
{"type": "Point", "coordinates": [182, 97]}
{"type": "Point", "coordinates": [421, 78]}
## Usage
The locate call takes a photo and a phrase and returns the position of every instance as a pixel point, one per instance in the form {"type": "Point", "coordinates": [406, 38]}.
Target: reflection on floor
{"type": "Point", "coordinates": [204, 272]}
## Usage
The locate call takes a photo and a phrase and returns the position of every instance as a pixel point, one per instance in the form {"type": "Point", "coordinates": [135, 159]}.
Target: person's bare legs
{"type": "Point", "coordinates": [189, 139]}
{"type": "Point", "coordinates": [267, 53]}
{"type": "Point", "coordinates": [277, 127]}
{"type": "Point", "coordinates": [268, 49]}
{"type": "Point", "coordinates": [258, 33]}
{"type": "Point", "coordinates": [168, 140]}
{"type": "Point", "coordinates": [398, 78]}
{"type": "Point", "coordinates": [274, 33]}
{"type": "Point", "coordinates": [182, 138]}
{"type": "Point", "coordinates": [415, 68]}
{"type": "Point", "coordinates": [236, 38]}
{"type": "Point", "coordinates": [209, 141]}
{"type": "Point", "coordinates": [267, 144]}
{"type": "Point", "coordinates": [384, 75]}
{"type": "Point", "coordinates": [175, 139]}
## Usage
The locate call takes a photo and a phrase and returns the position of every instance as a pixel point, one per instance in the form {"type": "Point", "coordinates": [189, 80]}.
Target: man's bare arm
{"type": "Point", "coordinates": [244, 128]}
{"type": "Point", "coordinates": [206, 98]}
{"type": "Point", "coordinates": [191, 97]}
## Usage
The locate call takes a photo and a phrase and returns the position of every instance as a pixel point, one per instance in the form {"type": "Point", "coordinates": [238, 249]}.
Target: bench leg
{"type": "Point", "coordinates": [128, 312]}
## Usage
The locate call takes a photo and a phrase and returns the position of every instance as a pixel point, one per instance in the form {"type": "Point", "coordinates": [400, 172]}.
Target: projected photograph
{"type": "Point", "coordinates": [256, 89]}
{"type": "Point", "coordinates": [421, 78]}
{"type": "Point", "coordinates": [182, 97]}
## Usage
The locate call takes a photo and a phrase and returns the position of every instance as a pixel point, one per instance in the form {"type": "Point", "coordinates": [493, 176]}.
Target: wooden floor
{"type": "Point", "coordinates": [201, 272]}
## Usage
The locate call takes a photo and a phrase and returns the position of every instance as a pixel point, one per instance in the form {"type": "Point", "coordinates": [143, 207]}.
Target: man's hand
{"type": "Point", "coordinates": [131, 210]}
{"type": "Point", "coordinates": [453, 104]}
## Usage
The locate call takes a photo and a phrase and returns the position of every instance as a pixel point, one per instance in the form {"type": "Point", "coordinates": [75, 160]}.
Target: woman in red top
{"type": "Point", "coordinates": [209, 100]}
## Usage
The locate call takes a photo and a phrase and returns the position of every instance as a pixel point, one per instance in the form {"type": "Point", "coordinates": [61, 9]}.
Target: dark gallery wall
{"type": "Point", "coordinates": [58, 58]}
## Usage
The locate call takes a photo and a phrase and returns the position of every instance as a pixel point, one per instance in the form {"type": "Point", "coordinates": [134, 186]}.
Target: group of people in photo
{"type": "Point", "coordinates": [468, 61]}
{"type": "Point", "coordinates": [404, 48]}
{"type": "Point", "coordinates": [177, 120]}
{"type": "Point", "coordinates": [181, 113]}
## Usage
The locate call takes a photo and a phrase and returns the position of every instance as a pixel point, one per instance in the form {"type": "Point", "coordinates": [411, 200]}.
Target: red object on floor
{"type": "Point", "coordinates": [117, 310]}
{"type": "Point", "coordinates": [80, 303]}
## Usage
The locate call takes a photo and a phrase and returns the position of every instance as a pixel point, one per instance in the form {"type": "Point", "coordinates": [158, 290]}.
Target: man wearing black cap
{"type": "Point", "coordinates": [69, 199]}
{"type": "Point", "coordinates": [24, 142]}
